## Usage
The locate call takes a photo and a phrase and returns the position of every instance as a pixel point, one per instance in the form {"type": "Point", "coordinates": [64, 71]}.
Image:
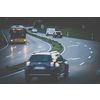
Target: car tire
{"type": "Point", "coordinates": [66, 73]}
{"type": "Point", "coordinates": [27, 78]}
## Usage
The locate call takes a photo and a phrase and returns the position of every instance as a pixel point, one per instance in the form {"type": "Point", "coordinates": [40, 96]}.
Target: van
{"type": "Point", "coordinates": [50, 31]}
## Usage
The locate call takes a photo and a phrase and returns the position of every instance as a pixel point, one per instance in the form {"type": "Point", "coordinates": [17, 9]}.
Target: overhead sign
{"type": "Point", "coordinates": [42, 26]}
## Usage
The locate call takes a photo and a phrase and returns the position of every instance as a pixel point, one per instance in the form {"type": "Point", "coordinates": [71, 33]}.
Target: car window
{"type": "Point", "coordinates": [40, 58]}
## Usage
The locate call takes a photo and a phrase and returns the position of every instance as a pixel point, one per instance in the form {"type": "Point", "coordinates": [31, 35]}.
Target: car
{"type": "Point", "coordinates": [50, 31]}
{"type": "Point", "coordinates": [34, 30]}
{"type": "Point", "coordinates": [46, 64]}
{"type": "Point", "coordinates": [57, 34]}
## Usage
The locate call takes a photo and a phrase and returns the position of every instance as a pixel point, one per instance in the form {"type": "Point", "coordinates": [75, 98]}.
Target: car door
{"type": "Point", "coordinates": [62, 64]}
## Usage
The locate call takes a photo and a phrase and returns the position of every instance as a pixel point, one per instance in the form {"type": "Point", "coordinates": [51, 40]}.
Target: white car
{"type": "Point", "coordinates": [50, 31]}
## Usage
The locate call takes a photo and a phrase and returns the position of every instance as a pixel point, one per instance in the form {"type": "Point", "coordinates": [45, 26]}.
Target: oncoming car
{"type": "Point", "coordinates": [57, 34]}
{"type": "Point", "coordinates": [46, 64]}
{"type": "Point", "coordinates": [34, 30]}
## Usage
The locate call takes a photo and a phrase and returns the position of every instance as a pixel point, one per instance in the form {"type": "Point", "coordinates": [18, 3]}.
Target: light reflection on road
{"type": "Point", "coordinates": [25, 51]}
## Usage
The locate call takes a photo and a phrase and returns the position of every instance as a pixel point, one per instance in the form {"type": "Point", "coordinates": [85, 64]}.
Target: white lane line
{"type": "Point", "coordinates": [39, 46]}
{"type": "Point", "coordinates": [19, 52]}
{"type": "Point", "coordinates": [73, 58]}
{"type": "Point", "coordinates": [89, 57]}
{"type": "Point", "coordinates": [43, 49]}
{"type": "Point", "coordinates": [70, 41]}
{"type": "Point", "coordinates": [8, 56]}
{"type": "Point", "coordinates": [12, 74]}
{"type": "Point", "coordinates": [91, 51]}
{"type": "Point", "coordinates": [49, 46]}
{"type": "Point", "coordinates": [85, 45]}
{"type": "Point", "coordinates": [73, 46]}
{"type": "Point", "coordinates": [14, 47]}
{"type": "Point", "coordinates": [82, 63]}
{"type": "Point", "coordinates": [90, 48]}
{"type": "Point", "coordinates": [64, 49]}
{"type": "Point", "coordinates": [78, 43]}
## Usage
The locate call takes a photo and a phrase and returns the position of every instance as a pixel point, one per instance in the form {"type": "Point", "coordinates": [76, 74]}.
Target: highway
{"type": "Point", "coordinates": [83, 57]}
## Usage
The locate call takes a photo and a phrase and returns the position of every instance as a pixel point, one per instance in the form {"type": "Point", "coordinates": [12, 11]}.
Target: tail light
{"type": "Point", "coordinates": [27, 63]}
{"type": "Point", "coordinates": [55, 33]}
{"type": "Point", "coordinates": [60, 33]}
{"type": "Point", "coordinates": [52, 64]}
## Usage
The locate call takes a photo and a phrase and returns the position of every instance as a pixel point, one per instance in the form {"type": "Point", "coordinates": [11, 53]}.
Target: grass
{"type": "Point", "coordinates": [73, 32]}
{"type": "Point", "coordinates": [56, 47]}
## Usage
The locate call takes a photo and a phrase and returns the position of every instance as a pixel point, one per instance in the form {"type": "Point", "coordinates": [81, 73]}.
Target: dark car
{"type": "Point", "coordinates": [34, 30]}
{"type": "Point", "coordinates": [57, 34]}
{"type": "Point", "coordinates": [49, 64]}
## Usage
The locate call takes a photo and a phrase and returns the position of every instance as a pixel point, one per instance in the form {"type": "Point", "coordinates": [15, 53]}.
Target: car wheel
{"type": "Point", "coordinates": [27, 78]}
{"type": "Point", "coordinates": [66, 73]}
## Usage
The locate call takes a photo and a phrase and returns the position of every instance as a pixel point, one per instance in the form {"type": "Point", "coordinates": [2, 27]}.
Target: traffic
{"type": "Point", "coordinates": [46, 65]}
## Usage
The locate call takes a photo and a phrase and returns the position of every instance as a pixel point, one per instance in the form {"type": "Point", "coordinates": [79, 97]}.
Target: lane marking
{"type": "Point", "coordinates": [43, 49]}
{"type": "Point", "coordinates": [89, 57]}
{"type": "Point", "coordinates": [14, 47]}
{"type": "Point", "coordinates": [85, 45]}
{"type": "Point", "coordinates": [19, 52]}
{"type": "Point", "coordinates": [73, 46]}
{"type": "Point", "coordinates": [73, 58]}
{"type": "Point", "coordinates": [64, 49]}
{"type": "Point", "coordinates": [90, 48]}
{"type": "Point", "coordinates": [39, 46]}
{"type": "Point", "coordinates": [82, 63]}
{"type": "Point", "coordinates": [70, 41]}
{"type": "Point", "coordinates": [12, 74]}
{"type": "Point", "coordinates": [8, 56]}
{"type": "Point", "coordinates": [91, 51]}
{"type": "Point", "coordinates": [78, 43]}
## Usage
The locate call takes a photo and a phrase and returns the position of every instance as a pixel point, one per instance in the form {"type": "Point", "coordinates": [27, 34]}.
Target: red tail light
{"type": "Point", "coordinates": [52, 64]}
{"type": "Point", "coordinates": [27, 63]}
{"type": "Point", "coordinates": [60, 33]}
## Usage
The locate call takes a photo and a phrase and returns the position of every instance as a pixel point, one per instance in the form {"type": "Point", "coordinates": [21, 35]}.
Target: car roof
{"type": "Point", "coordinates": [56, 53]}
{"type": "Point", "coordinates": [33, 28]}
{"type": "Point", "coordinates": [17, 26]}
{"type": "Point", "coordinates": [57, 31]}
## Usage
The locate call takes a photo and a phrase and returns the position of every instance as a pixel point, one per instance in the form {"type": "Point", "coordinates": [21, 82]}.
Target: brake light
{"type": "Point", "coordinates": [27, 63]}
{"type": "Point", "coordinates": [52, 64]}
{"type": "Point", "coordinates": [60, 33]}
{"type": "Point", "coordinates": [55, 33]}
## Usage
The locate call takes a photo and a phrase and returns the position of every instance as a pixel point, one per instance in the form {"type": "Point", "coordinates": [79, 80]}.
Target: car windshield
{"type": "Point", "coordinates": [58, 32]}
{"type": "Point", "coordinates": [34, 29]}
{"type": "Point", "coordinates": [40, 58]}
{"type": "Point", "coordinates": [18, 34]}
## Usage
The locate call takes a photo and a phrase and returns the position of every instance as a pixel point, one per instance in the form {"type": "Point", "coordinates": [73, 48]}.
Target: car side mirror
{"type": "Point", "coordinates": [65, 61]}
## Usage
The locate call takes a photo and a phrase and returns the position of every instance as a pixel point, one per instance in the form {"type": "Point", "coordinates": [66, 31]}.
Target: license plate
{"type": "Point", "coordinates": [41, 68]}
